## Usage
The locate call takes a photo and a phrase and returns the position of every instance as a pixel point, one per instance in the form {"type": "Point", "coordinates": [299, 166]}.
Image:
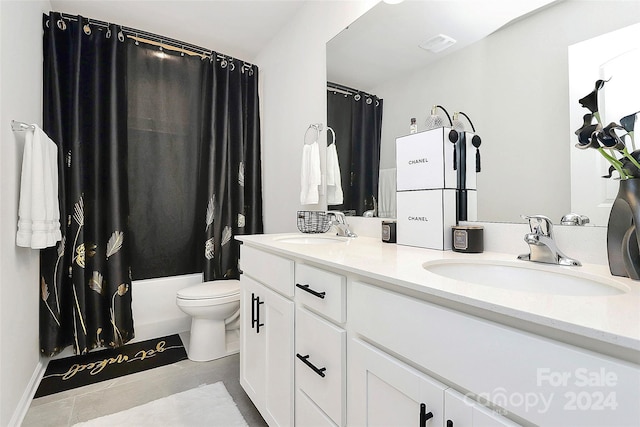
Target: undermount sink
{"type": "Point", "coordinates": [527, 277]}
{"type": "Point", "coordinates": [311, 239]}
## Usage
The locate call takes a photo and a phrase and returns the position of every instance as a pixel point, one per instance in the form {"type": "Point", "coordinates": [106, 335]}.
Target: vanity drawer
{"type": "Point", "coordinates": [321, 291]}
{"type": "Point", "coordinates": [320, 363]}
{"type": "Point", "coordinates": [269, 269]}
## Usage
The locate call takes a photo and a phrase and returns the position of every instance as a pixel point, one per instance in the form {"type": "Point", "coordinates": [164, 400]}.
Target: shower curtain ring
{"type": "Point", "coordinates": [108, 33]}
{"type": "Point", "coordinates": [120, 35]}
{"type": "Point", "coordinates": [61, 24]}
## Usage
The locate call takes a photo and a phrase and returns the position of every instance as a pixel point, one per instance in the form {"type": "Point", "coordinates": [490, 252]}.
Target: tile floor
{"type": "Point", "coordinates": [95, 400]}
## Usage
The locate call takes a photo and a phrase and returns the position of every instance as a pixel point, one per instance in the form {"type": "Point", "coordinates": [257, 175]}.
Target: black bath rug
{"type": "Point", "coordinates": [77, 371]}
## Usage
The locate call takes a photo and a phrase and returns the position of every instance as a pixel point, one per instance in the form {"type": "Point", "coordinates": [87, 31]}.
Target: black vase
{"type": "Point", "coordinates": [622, 242]}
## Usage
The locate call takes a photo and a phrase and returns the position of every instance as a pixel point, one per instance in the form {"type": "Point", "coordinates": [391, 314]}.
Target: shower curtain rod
{"type": "Point", "coordinates": [151, 38]}
{"type": "Point", "coordinates": [346, 89]}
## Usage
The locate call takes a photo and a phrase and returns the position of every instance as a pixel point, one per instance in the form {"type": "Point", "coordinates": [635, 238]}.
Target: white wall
{"type": "Point", "coordinates": [293, 79]}
{"type": "Point", "coordinates": [514, 86]}
{"type": "Point", "coordinates": [21, 89]}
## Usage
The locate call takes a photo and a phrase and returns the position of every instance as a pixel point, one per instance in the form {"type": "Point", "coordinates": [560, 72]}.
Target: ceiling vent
{"type": "Point", "coordinates": [437, 43]}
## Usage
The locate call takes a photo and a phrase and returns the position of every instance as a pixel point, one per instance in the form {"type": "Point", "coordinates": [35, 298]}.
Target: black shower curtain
{"type": "Point", "coordinates": [357, 122]}
{"type": "Point", "coordinates": [85, 295]}
{"type": "Point", "coordinates": [161, 158]}
{"type": "Point", "coordinates": [164, 151]}
{"type": "Point", "coordinates": [194, 162]}
{"type": "Point", "coordinates": [230, 193]}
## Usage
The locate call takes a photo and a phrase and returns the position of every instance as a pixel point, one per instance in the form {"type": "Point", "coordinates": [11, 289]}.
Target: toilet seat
{"type": "Point", "coordinates": [211, 290]}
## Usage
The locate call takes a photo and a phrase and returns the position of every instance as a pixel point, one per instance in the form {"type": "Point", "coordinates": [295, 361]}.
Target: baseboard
{"type": "Point", "coordinates": [27, 396]}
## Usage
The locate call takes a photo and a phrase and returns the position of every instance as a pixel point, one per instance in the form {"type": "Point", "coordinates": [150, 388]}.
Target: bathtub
{"type": "Point", "coordinates": [155, 313]}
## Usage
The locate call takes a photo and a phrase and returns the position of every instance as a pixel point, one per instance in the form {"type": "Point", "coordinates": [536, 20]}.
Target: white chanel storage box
{"type": "Point", "coordinates": [425, 161]}
{"type": "Point", "coordinates": [428, 190]}
{"type": "Point", "coordinates": [425, 217]}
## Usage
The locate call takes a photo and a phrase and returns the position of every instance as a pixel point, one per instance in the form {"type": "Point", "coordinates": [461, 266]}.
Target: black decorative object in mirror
{"type": "Point", "coordinates": [610, 141]}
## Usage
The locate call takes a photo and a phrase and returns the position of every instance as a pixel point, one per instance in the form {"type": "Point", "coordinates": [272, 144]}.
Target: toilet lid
{"type": "Point", "coordinates": [213, 289]}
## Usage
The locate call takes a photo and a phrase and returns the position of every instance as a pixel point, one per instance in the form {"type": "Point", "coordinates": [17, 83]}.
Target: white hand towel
{"type": "Point", "coordinates": [334, 181]}
{"type": "Point", "coordinates": [38, 210]}
{"type": "Point", "coordinates": [387, 193]}
{"type": "Point", "coordinates": [310, 177]}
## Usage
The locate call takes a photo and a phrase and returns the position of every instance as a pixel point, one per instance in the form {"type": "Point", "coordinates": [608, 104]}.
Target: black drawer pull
{"type": "Point", "coordinates": [305, 360]}
{"type": "Point", "coordinates": [424, 415]}
{"type": "Point", "coordinates": [311, 291]}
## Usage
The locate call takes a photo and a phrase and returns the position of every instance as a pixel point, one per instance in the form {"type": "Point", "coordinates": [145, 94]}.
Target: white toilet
{"type": "Point", "coordinates": [214, 307]}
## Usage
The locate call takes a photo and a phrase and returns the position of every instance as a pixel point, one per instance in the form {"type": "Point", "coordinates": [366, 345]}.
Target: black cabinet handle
{"type": "Point", "coordinates": [449, 423]}
{"type": "Point", "coordinates": [255, 312]}
{"type": "Point", "coordinates": [305, 360]}
{"type": "Point", "coordinates": [424, 415]}
{"type": "Point", "coordinates": [311, 291]}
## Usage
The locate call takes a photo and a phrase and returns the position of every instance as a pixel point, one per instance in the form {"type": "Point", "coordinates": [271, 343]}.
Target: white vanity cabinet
{"type": "Point", "coordinates": [266, 334]}
{"type": "Point", "coordinates": [533, 378]}
{"type": "Point", "coordinates": [383, 391]}
{"type": "Point", "coordinates": [320, 342]}
{"type": "Point", "coordinates": [461, 411]}
{"type": "Point", "coordinates": [341, 345]}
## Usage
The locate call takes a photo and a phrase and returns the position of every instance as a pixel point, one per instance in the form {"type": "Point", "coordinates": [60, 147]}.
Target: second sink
{"type": "Point", "coordinates": [515, 276]}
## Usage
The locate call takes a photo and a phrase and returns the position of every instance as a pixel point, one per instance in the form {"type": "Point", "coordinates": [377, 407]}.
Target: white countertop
{"type": "Point", "coordinates": [613, 319]}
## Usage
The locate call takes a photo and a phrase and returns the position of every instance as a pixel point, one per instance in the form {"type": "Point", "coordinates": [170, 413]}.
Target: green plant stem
{"type": "Point", "coordinates": [614, 162]}
{"type": "Point", "coordinates": [630, 157]}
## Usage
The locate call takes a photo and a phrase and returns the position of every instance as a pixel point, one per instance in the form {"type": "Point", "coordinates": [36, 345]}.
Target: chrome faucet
{"type": "Point", "coordinates": [541, 244]}
{"type": "Point", "coordinates": [339, 221]}
{"type": "Point", "coordinates": [574, 219]}
{"type": "Point", "coordinates": [372, 212]}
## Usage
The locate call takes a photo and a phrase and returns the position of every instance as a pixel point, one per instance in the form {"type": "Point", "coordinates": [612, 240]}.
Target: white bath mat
{"type": "Point", "coordinates": [207, 405]}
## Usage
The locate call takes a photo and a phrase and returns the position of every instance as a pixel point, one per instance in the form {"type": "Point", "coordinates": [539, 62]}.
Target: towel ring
{"type": "Point", "coordinates": [317, 134]}
{"type": "Point", "coordinates": [333, 134]}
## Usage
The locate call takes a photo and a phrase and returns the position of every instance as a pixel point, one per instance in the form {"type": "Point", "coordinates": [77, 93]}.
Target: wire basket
{"type": "Point", "coordinates": [313, 221]}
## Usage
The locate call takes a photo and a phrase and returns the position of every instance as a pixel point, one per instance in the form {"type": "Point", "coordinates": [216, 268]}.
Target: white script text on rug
{"type": "Point", "coordinates": [207, 405]}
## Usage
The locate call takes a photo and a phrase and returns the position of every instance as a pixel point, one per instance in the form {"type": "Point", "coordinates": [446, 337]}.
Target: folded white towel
{"type": "Point", "coordinates": [38, 210]}
{"type": "Point", "coordinates": [387, 193]}
{"type": "Point", "coordinates": [334, 181]}
{"type": "Point", "coordinates": [310, 177]}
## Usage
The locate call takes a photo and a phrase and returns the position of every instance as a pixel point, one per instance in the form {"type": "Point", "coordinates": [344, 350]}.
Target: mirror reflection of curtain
{"type": "Point", "coordinates": [84, 281]}
{"type": "Point", "coordinates": [357, 122]}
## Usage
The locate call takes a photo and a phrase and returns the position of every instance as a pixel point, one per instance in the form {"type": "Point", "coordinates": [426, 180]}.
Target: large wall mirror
{"type": "Point", "coordinates": [510, 76]}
